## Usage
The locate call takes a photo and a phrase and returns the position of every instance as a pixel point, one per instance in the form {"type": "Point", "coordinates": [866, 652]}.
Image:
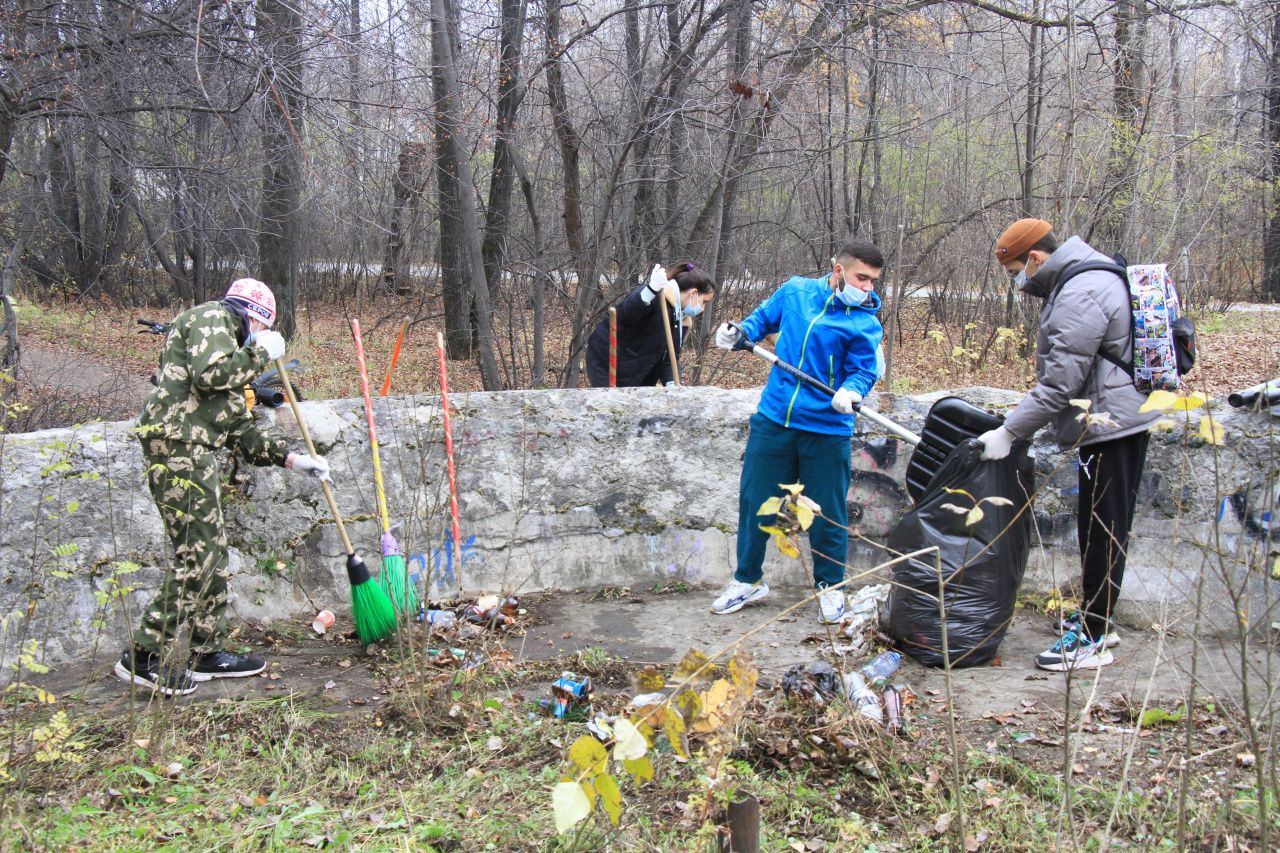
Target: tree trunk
{"type": "Point", "coordinates": [406, 191]}
{"type": "Point", "coordinates": [1271, 226]}
{"type": "Point", "coordinates": [456, 171]}
{"type": "Point", "coordinates": [279, 228]}
{"type": "Point", "coordinates": [587, 292]}
{"type": "Point", "coordinates": [1114, 213]}
{"type": "Point", "coordinates": [455, 269]}
{"type": "Point", "coordinates": [502, 180]}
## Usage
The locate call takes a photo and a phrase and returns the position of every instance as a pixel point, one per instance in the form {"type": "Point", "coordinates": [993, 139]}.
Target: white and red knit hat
{"type": "Point", "coordinates": [255, 297]}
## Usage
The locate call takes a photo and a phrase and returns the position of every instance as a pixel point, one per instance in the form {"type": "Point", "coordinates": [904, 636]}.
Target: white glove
{"type": "Point", "coordinates": [726, 337]}
{"type": "Point", "coordinates": [844, 400]}
{"type": "Point", "coordinates": [671, 384]}
{"type": "Point", "coordinates": [272, 342]}
{"type": "Point", "coordinates": [657, 278]}
{"type": "Point", "coordinates": [316, 466]}
{"type": "Point", "coordinates": [996, 443]}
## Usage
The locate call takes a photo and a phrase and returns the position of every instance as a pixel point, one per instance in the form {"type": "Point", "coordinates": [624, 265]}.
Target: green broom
{"type": "Point", "coordinates": [394, 577]}
{"type": "Point", "coordinates": [371, 610]}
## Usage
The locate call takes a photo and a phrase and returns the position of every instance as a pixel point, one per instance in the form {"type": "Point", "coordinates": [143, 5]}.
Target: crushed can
{"type": "Point", "coordinates": [568, 692]}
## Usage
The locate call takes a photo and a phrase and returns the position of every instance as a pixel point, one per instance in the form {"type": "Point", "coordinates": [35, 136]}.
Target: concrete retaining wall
{"type": "Point", "coordinates": [563, 489]}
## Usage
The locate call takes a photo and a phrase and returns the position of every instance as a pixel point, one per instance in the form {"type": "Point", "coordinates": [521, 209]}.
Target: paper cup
{"type": "Point", "coordinates": [323, 622]}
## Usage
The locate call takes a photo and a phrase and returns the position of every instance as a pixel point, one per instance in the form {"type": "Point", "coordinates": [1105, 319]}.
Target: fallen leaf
{"type": "Point", "coordinates": [344, 663]}
{"type": "Point", "coordinates": [1246, 759]}
{"type": "Point", "coordinates": [494, 743]}
{"type": "Point", "coordinates": [329, 685]}
{"type": "Point", "coordinates": [942, 824]}
{"type": "Point", "coordinates": [1077, 769]}
{"type": "Point", "coordinates": [975, 842]}
{"type": "Point", "coordinates": [570, 805]}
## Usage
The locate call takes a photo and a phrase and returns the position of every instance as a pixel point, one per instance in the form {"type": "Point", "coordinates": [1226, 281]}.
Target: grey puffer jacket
{"type": "Point", "coordinates": [1089, 315]}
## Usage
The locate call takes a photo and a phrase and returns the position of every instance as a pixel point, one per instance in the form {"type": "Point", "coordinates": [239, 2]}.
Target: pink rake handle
{"type": "Point", "coordinates": [448, 451]}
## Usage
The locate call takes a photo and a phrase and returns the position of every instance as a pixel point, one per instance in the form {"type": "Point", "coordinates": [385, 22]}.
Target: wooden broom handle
{"type": "Point", "coordinates": [311, 449]}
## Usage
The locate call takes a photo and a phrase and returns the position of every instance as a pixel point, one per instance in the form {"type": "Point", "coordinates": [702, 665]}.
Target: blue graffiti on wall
{"type": "Point", "coordinates": [444, 570]}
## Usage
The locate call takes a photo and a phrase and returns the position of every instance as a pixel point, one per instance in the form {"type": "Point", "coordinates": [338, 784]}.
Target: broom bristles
{"type": "Point", "coordinates": [404, 598]}
{"type": "Point", "coordinates": [371, 609]}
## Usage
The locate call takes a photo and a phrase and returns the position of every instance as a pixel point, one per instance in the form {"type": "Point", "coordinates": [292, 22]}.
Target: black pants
{"type": "Point", "coordinates": [1110, 473]}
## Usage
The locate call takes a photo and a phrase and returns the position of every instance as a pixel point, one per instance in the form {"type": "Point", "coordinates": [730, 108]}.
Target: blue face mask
{"type": "Point", "coordinates": [253, 336]}
{"type": "Point", "coordinates": [852, 296]}
{"type": "Point", "coordinates": [691, 310]}
{"type": "Point", "coordinates": [1020, 279]}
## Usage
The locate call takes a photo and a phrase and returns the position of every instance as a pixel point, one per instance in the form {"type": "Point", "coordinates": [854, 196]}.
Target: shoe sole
{"type": "Point", "coordinates": [741, 604]}
{"type": "Point", "coordinates": [210, 676]}
{"type": "Point", "coordinates": [127, 675]}
{"type": "Point", "coordinates": [1092, 662]}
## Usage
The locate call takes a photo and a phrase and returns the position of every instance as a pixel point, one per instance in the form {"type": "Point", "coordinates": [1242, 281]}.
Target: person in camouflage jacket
{"type": "Point", "coordinates": [198, 407]}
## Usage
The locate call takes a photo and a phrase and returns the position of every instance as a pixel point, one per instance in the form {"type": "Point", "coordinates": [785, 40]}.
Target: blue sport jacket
{"type": "Point", "coordinates": [826, 339]}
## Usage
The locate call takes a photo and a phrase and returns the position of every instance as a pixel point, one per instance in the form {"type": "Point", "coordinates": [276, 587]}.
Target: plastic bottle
{"type": "Point", "coordinates": [863, 698]}
{"type": "Point", "coordinates": [442, 618]}
{"type": "Point", "coordinates": [885, 665]}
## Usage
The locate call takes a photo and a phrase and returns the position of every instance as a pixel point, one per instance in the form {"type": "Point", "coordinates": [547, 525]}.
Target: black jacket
{"type": "Point", "coordinates": [642, 344]}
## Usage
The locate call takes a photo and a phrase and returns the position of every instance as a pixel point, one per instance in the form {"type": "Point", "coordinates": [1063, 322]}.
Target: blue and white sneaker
{"type": "Point", "coordinates": [1074, 651]}
{"type": "Point", "coordinates": [1074, 621]}
{"type": "Point", "coordinates": [736, 595]}
{"type": "Point", "coordinates": [830, 606]}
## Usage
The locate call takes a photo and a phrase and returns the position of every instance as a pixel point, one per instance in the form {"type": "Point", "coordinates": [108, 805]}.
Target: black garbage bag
{"type": "Point", "coordinates": [983, 563]}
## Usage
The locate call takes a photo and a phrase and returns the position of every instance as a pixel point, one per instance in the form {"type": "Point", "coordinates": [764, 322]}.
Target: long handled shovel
{"type": "Point", "coordinates": [394, 577]}
{"type": "Point", "coordinates": [671, 345]}
{"type": "Point", "coordinates": [371, 610]}
{"type": "Point", "coordinates": [746, 343]}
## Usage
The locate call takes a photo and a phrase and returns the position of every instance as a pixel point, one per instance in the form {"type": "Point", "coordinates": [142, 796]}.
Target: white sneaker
{"type": "Point", "coordinates": [737, 594]}
{"type": "Point", "coordinates": [831, 606]}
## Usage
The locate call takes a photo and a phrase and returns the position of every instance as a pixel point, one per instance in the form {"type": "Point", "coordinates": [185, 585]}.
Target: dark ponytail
{"type": "Point", "coordinates": [688, 276]}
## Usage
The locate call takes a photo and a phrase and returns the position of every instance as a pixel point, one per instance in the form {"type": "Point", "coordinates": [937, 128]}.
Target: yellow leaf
{"type": "Point", "coordinates": [773, 530]}
{"type": "Point", "coordinates": [45, 696]}
{"type": "Point", "coordinates": [610, 797]}
{"type": "Point", "coordinates": [1189, 402]}
{"type": "Point", "coordinates": [743, 673]}
{"type": "Point", "coordinates": [786, 547]}
{"type": "Point", "coordinates": [770, 507]}
{"type": "Point", "coordinates": [1275, 569]}
{"type": "Point", "coordinates": [688, 705]}
{"type": "Point", "coordinates": [1211, 431]}
{"type": "Point", "coordinates": [805, 500]}
{"type": "Point", "coordinates": [951, 491]}
{"type": "Point", "coordinates": [1081, 403]}
{"type": "Point", "coordinates": [673, 725]}
{"type": "Point", "coordinates": [804, 515]}
{"type": "Point", "coordinates": [974, 516]}
{"type": "Point", "coordinates": [714, 701]}
{"type": "Point", "coordinates": [692, 662]}
{"type": "Point", "coordinates": [792, 489]}
{"type": "Point", "coordinates": [1159, 401]}
{"type": "Point", "coordinates": [641, 769]}
{"type": "Point", "coordinates": [588, 755]}
{"type": "Point", "coordinates": [628, 743]}
{"type": "Point", "coordinates": [650, 680]}
{"type": "Point", "coordinates": [570, 805]}
{"type": "Point", "coordinates": [1163, 425]}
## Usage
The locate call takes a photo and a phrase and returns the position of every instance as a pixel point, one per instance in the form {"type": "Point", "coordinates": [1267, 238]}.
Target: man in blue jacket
{"type": "Point", "coordinates": [828, 328]}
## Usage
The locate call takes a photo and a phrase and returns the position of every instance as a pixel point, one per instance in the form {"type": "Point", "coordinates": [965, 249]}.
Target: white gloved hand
{"type": "Point", "coordinates": [315, 466]}
{"type": "Point", "coordinates": [670, 384]}
{"type": "Point", "coordinates": [996, 443]}
{"type": "Point", "coordinates": [657, 278]}
{"type": "Point", "coordinates": [844, 400]}
{"type": "Point", "coordinates": [272, 342]}
{"type": "Point", "coordinates": [726, 337]}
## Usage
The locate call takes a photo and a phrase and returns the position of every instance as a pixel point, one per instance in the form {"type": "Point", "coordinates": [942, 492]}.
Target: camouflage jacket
{"type": "Point", "coordinates": [199, 394]}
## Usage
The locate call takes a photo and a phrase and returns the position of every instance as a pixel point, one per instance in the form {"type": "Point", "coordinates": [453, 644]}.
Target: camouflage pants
{"type": "Point", "coordinates": [185, 482]}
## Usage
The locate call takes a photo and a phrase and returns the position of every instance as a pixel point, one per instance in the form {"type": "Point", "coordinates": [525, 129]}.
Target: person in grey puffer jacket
{"type": "Point", "coordinates": [1083, 318]}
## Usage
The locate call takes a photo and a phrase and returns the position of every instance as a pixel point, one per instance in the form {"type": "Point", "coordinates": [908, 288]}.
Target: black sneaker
{"type": "Point", "coordinates": [224, 664]}
{"type": "Point", "coordinates": [144, 669]}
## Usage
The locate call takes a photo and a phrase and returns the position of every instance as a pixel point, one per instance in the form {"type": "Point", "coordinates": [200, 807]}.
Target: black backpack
{"type": "Point", "coordinates": [1162, 340]}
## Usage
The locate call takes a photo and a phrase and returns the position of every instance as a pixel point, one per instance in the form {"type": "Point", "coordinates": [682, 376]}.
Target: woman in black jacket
{"type": "Point", "coordinates": [642, 343]}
